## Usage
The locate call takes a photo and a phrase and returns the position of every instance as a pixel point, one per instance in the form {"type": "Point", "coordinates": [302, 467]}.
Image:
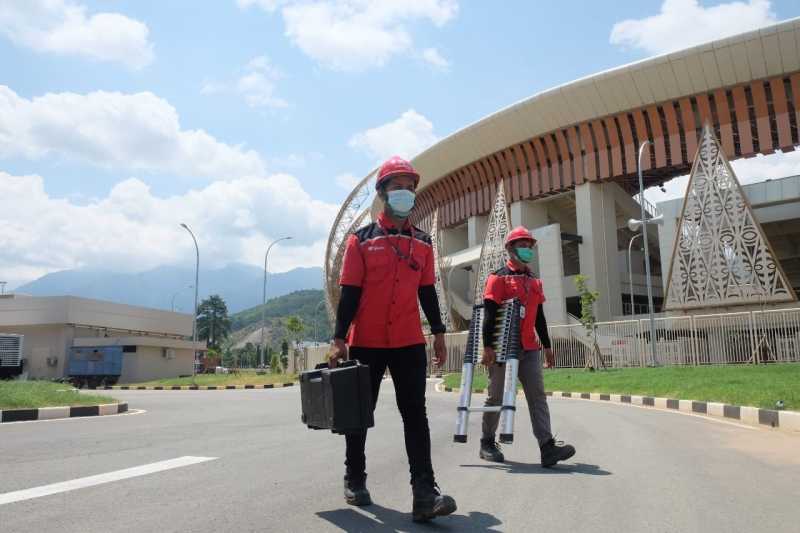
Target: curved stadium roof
{"type": "Point", "coordinates": [747, 86]}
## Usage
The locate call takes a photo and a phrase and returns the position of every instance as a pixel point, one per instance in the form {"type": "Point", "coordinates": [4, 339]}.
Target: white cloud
{"type": "Point", "coordinates": [63, 27]}
{"type": "Point", "coordinates": [432, 56]}
{"type": "Point", "coordinates": [347, 181]}
{"type": "Point", "coordinates": [407, 136]}
{"type": "Point", "coordinates": [133, 230]}
{"type": "Point", "coordinates": [266, 5]}
{"type": "Point", "coordinates": [752, 170]}
{"type": "Point", "coordinates": [256, 84]}
{"type": "Point", "coordinates": [355, 34]}
{"type": "Point", "coordinates": [114, 130]}
{"type": "Point", "coordinates": [684, 23]}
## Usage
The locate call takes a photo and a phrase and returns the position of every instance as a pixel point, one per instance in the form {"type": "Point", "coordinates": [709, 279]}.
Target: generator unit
{"type": "Point", "coordinates": [11, 361]}
{"type": "Point", "coordinates": [94, 366]}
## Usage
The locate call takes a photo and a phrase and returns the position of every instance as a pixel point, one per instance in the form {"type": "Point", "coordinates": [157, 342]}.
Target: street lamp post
{"type": "Point", "coordinates": [264, 297]}
{"type": "Point", "coordinates": [196, 285]}
{"type": "Point", "coordinates": [630, 268]}
{"type": "Point", "coordinates": [647, 256]}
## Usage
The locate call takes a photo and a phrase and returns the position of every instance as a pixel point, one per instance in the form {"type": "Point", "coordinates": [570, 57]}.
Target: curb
{"type": "Point", "coordinates": [198, 387]}
{"type": "Point", "coordinates": [53, 413]}
{"type": "Point", "coordinates": [752, 416]}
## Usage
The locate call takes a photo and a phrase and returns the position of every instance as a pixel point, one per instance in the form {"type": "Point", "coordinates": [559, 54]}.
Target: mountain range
{"type": "Point", "coordinates": [168, 287]}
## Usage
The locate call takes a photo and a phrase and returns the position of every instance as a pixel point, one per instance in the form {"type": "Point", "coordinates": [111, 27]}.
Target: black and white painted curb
{"type": "Point", "coordinates": [753, 416]}
{"type": "Point", "coordinates": [52, 413]}
{"type": "Point", "coordinates": [198, 387]}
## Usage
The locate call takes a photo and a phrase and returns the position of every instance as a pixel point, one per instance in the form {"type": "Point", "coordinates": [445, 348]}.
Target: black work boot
{"type": "Point", "coordinates": [429, 502]}
{"type": "Point", "coordinates": [490, 451]}
{"type": "Point", "coordinates": [553, 452]}
{"type": "Point", "coordinates": [355, 490]}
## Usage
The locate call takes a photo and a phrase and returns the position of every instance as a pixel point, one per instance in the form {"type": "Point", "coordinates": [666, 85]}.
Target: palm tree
{"type": "Point", "coordinates": [213, 324]}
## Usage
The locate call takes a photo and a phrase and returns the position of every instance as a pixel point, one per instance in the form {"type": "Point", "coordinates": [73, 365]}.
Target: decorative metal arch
{"type": "Point", "coordinates": [353, 213]}
{"type": "Point", "coordinates": [493, 251]}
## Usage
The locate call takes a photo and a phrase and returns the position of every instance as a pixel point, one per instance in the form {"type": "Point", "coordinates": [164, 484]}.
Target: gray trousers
{"type": "Point", "coordinates": [532, 379]}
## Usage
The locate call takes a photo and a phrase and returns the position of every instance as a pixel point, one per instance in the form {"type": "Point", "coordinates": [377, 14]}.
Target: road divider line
{"type": "Point", "coordinates": [100, 479]}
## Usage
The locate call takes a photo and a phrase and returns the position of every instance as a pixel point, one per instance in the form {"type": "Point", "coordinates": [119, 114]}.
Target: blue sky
{"type": "Point", "coordinates": [247, 118]}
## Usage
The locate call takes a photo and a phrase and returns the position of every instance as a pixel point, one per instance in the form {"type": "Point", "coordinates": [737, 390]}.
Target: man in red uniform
{"type": "Point", "coordinates": [515, 280]}
{"type": "Point", "coordinates": [388, 268]}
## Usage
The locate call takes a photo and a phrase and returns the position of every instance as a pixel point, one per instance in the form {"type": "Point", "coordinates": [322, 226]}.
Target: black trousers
{"type": "Point", "coordinates": [408, 368]}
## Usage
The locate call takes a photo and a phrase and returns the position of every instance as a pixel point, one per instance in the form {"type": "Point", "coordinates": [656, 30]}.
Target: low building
{"type": "Point", "coordinates": [156, 344]}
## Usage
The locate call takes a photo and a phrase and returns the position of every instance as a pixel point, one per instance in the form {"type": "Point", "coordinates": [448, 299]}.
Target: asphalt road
{"type": "Point", "coordinates": [635, 470]}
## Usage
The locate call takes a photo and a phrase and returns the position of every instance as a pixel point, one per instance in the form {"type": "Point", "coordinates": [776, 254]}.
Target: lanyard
{"type": "Point", "coordinates": [412, 263]}
{"type": "Point", "coordinates": [526, 281]}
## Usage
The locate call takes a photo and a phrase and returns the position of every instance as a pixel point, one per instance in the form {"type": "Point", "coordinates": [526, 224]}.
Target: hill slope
{"type": "Point", "coordinates": [239, 285]}
{"type": "Point", "coordinates": [306, 304]}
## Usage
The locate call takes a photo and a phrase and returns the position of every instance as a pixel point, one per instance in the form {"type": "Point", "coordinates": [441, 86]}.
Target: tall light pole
{"type": "Point", "coordinates": [172, 305]}
{"type": "Point", "coordinates": [196, 285]}
{"type": "Point", "coordinates": [630, 268]}
{"type": "Point", "coordinates": [647, 256]}
{"type": "Point", "coordinates": [264, 297]}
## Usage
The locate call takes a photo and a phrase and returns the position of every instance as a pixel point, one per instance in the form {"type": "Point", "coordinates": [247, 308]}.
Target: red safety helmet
{"type": "Point", "coordinates": [518, 234]}
{"type": "Point", "coordinates": [394, 166]}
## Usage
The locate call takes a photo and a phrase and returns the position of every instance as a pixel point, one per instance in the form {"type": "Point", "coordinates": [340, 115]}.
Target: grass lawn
{"type": "Point", "coordinates": [245, 377]}
{"type": "Point", "coordinates": [758, 386]}
{"type": "Point", "coordinates": [32, 394]}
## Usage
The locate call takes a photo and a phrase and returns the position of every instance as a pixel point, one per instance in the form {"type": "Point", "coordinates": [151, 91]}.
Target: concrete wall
{"type": "Point", "coordinates": [311, 357]}
{"type": "Point", "coordinates": [597, 224]}
{"type": "Point", "coordinates": [149, 363]}
{"type": "Point", "coordinates": [551, 272]}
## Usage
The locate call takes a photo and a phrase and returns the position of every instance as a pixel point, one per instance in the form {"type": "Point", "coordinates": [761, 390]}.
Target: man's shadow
{"type": "Point", "coordinates": [513, 467]}
{"type": "Point", "coordinates": [385, 519]}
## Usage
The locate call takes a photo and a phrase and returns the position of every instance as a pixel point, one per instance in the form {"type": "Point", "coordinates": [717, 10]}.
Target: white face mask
{"type": "Point", "coordinates": [400, 202]}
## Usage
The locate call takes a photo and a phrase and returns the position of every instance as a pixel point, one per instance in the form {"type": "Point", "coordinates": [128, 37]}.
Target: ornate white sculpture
{"type": "Point", "coordinates": [721, 255]}
{"type": "Point", "coordinates": [444, 302]}
{"type": "Point", "coordinates": [493, 251]}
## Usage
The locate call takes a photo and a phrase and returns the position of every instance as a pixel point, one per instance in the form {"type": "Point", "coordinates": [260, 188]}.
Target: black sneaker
{"type": "Point", "coordinates": [355, 491]}
{"type": "Point", "coordinates": [553, 452]}
{"type": "Point", "coordinates": [429, 502]}
{"type": "Point", "coordinates": [490, 451]}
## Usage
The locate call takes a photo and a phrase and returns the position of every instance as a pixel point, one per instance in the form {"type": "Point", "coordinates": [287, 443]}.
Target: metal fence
{"type": "Point", "coordinates": [747, 337]}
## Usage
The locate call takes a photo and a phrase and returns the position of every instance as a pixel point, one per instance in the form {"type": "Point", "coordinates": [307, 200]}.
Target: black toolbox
{"type": "Point", "coordinates": [339, 399]}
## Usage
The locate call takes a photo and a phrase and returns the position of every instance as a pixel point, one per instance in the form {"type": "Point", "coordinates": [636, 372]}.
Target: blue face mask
{"type": "Point", "coordinates": [400, 202]}
{"type": "Point", "coordinates": [525, 255]}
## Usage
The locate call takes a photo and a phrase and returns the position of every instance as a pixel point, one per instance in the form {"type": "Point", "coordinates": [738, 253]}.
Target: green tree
{"type": "Point", "coordinates": [284, 353]}
{"type": "Point", "coordinates": [213, 324]}
{"type": "Point", "coordinates": [228, 359]}
{"type": "Point", "coordinates": [295, 327]}
{"type": "Point", "coordinates": [589, 321]}
{"type": "Point", "coordinates": [248, 354]}
{"type": "Point", "coordinates": [275, 363]}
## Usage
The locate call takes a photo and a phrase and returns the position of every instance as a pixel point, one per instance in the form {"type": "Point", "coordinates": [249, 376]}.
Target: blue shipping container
{"type": "Point", "coordinates": [95, 361]}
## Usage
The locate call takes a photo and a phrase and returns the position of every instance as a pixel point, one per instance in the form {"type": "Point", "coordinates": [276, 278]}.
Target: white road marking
{"type": "Point", "coordinates": [90, 481]}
